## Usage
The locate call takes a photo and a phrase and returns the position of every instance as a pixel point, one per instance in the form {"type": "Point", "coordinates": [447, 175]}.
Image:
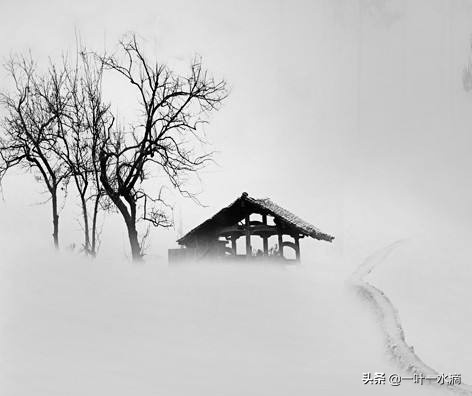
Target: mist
{"type": "Point", "coordinates": [352, 114]}
{"type": "Point", "coordinates": [72, 325]}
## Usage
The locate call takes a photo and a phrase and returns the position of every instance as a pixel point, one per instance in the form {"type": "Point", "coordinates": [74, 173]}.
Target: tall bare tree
{"type": "Point", "coordinates": [86, 118]}
{"type": "Point", "coordinates": [163, 139]}
{"type": "Point", "coordinates": [30, 130]}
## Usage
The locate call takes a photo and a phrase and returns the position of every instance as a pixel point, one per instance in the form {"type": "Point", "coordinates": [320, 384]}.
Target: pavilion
{"type": "Point", "coordinates": [246, 218]}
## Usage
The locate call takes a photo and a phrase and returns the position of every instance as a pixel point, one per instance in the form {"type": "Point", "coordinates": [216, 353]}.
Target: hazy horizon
{"type": "Point", "coordinates": [350, 114]}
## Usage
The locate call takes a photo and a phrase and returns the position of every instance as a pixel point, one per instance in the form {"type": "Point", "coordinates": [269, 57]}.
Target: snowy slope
{"type": "Point", "coordinates": [402, 353]}
{"type": "Point", "coordinates": [72, 327]}
{"type": "Point", "coordinates": [428, 280]}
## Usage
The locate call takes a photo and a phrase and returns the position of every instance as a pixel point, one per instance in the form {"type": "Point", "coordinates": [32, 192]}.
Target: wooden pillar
{"type": "Point", "coordinates": [265, 243]}
{"type": "Point", "coordinates": [297, 248]}
{"type": "Point", "coordinates": [248, 238]}
{"type": "Point", "coordinates": [265, 238]}
{"type": "Point", "coordinates": [281, 245]}
{"type": "Point", "coordinates": [233, 244]}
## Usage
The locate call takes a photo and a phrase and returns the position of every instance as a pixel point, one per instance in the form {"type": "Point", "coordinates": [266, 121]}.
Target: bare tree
{"type": "Point", "coordinates": [86, 120]}
{"type": "Point", "coordinates": [30, 129]}
{"type": "Point", "coordinates": [165, 138]}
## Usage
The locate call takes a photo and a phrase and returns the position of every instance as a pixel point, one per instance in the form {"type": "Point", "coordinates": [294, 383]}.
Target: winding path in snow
{"type": "Point", "coordinates": [402, 353]}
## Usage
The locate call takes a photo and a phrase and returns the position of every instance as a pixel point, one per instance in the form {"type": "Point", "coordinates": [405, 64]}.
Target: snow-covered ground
{"type": "Point", "coordinates": [401, 352]}
{"type": "Point", "coordinates": [428, 281]}
{"type": "Point", "coordinates": [70, 326]}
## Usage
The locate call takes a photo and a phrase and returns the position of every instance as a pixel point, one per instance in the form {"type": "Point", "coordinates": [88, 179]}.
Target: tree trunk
{"type": "Point", "coordinates": [55, 219]}
{"type": "Point", "coordinates": [133, 240]}
{"type": "Point", "coordinates": [136, 251]}
{"type": "Point", "coordinates": [86, 224]}
{"type": "Point", "coordinates": [94, 226]}
{"type": "Point", "coordinates": [130, 220]}
{"type": "Point", "coordinates": [128, 216]}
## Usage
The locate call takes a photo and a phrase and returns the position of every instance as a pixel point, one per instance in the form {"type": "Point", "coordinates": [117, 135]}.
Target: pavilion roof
{"type": "Point", "coordinates": [244, 205]}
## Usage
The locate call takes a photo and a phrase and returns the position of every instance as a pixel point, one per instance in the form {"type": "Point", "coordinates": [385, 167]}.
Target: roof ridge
{"type": "Point", "coordinates": [267, 205]}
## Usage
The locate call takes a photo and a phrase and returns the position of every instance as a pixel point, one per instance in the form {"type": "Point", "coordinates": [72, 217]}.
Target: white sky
{"type": "Point", "coordinates": [349, 113]}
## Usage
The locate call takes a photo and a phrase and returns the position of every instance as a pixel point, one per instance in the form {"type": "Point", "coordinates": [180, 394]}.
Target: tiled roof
{"type": "Point", "coordinates": [264, 205]}
{"type": "Point", "coordinates": [291, 219]}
